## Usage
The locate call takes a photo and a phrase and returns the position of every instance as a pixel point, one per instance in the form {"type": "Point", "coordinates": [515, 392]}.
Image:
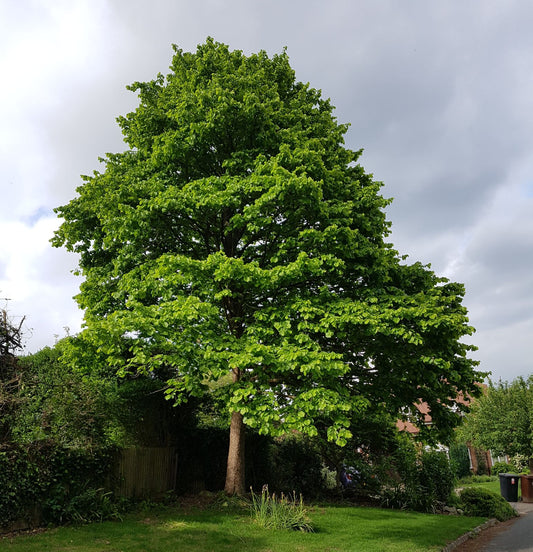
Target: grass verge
{"type": "Point", "coordinates": [336, 529]}
{"type": "Point", "coordinates": [491, 483]}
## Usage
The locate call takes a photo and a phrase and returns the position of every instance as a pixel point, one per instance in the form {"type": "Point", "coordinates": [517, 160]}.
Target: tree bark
{"type": "Point", "coordinates": [235, 471]}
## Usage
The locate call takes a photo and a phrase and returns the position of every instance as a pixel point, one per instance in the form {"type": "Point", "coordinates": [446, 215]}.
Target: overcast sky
{"type": "Point", "coordinates": [439, 95]}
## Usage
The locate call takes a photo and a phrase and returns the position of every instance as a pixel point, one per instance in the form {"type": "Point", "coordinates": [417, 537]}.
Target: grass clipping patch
{"type": "Point", "coordinates": [283, 512]}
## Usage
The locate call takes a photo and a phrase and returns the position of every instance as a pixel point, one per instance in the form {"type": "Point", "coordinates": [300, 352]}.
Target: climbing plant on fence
{"type": "Point", "coordinates": [42, 483]}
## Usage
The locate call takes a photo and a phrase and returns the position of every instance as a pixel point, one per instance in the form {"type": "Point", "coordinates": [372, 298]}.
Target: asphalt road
{"type": "Point", "coordinates": [518, 537]}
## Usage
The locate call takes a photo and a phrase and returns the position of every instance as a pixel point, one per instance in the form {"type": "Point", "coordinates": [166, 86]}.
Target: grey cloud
{"type": "Point", "coordinates": [439, 95]}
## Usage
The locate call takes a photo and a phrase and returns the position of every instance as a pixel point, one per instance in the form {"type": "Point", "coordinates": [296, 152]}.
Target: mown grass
{"type": "Point", "coordinates": [489, 483]}
{"type": "Point", "coordinates": [336, 529]}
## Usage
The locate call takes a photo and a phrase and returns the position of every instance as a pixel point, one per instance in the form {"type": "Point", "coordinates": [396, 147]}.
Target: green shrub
{"type": "Point", "coordinates": [22, 486]}
{"type": "Point", "coordinates": [424, 480]}
{"type": "Point", "coordinates": [368, 479]}
{"type": "Point", "coordinates": [92, 505]}
{"type": "Point", "coordinates": [45, 483]}
{"type": "Point", "coordinates": [283, 512]}
{"type": "Point", "coordinates": [407, 497]}
{"type": "Point", "coordinates": [485, 503]}
{"type": "Point", "coordinates": [520, 463]}
{"type": "Point", "coordinates": [435, 475]}
{"type": "Point", "coordinates": [502, 467]}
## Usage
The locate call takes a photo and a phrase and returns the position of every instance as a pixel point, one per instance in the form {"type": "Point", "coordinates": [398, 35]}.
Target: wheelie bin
{"type": "Point", "coordinates": [509, 486]}
{"type": "Point", "coordinates": [527, 488]}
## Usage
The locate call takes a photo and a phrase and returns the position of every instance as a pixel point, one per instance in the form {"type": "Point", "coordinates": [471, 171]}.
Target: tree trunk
{"type": "Point", "coordinates": [235, 470]}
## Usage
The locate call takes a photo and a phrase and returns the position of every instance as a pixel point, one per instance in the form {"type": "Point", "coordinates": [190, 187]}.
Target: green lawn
{"type": "Point", "coordinates": [341, 529]}
{"type": "Point", "coordinates": [492, 485]}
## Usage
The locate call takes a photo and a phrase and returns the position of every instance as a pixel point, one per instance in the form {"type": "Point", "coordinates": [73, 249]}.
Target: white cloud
{"type": "Point", "coordinates": [38, 280]}
{"type": "Point", "coordinates": [440, 95]}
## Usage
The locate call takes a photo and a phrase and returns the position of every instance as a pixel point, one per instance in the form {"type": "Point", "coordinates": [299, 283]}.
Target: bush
{"type": "Point", "coordinates": [520, 463]}
{"type": "Point", "coordinates": [367, 479]}
{"type": "Point", "coordinates": [424, 480]}
{"type": "Point", "coordinates": [91, 505]}
{"type": "Point", "coordinates": [502, 467]}
{"type": "Point", "coordinates": [485, 503]}
{"type": "Point", "coordinates": [406, 497]}
{"type": "Point", "coordinates": [44, 483]}
{"type": "Point", "coordinates": [435, 475]}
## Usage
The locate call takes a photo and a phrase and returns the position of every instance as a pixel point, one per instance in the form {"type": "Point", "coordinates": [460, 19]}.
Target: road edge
{"type": "Point", "coordinates": [470, 535]}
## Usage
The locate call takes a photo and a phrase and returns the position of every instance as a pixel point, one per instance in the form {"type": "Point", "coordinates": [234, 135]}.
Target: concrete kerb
{"type": "Point", "coordinates": [470, 535]}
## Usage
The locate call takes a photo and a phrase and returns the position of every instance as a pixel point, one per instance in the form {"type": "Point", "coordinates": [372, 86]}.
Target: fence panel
{"type": "Point", "coordinates": [147, 472]}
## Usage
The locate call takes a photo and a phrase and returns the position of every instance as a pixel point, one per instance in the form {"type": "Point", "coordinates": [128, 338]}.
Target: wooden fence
{"type": "Point", "coordinates": [146, 472]}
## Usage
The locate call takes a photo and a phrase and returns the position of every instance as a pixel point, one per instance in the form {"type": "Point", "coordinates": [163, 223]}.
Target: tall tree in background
{"type": "Point", "coordinates": [501, 420]}
{"type": "Point", "coordinates": [237, 242]}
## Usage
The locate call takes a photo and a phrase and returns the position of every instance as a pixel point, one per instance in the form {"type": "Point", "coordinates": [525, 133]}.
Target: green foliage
{"type": "Point", "coordinates": [44, 483]}
{"type": "Point", "coordinates": [21, 485]}
{"type": "Point", "coordinates": [502, 467]}
{"type": "Point", "coordinates": [76, 481]}
{"type": "Point", "coordinates": [435, 475]}
{"type": "Point", "coordinates": [374, 437]}
{"type": "Point", "coordinates": [280, 512]}
{"type": "Point", "coordinates": [502, 419]}
{"type": "Point", "coordinates": [424, 480]}
{"type": "Point", "coordinates": [91, 505]}
{"type": "Point", "coordinates": [80, 407]}
{"type": "Point", "coordinates": [520, 463]}
{"type": "Point", "coordinates": [484, 503]}
{"type": "Point", "coordinates": [459, 460]}
{"type": "Point", "coordinates": [59, 404]}
{"type": "Point", "coordinates": [238, 248]}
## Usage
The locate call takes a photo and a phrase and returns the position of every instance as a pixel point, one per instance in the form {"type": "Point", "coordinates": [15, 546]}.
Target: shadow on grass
{"type": "Point", "coordinates": [195, 531]}
{"type": "Point", "coordinates": [171, 530]}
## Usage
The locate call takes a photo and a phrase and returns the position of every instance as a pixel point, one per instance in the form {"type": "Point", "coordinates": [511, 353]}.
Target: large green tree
{"type": "Point", "coordinates": [237, 245]}
{"type": "Point", "coordinates": [502, 419]}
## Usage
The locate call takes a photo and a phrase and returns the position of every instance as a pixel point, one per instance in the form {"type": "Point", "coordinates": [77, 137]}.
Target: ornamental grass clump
{"type": "Point", "coordinates": [283, 512]}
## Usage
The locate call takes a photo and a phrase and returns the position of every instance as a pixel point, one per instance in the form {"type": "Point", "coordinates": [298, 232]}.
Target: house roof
{"type": "Point", "coordinates": [424, 410]}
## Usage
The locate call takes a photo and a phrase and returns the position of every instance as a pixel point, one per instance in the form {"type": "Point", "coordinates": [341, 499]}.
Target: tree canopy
{"type": "Point", "coordinates": [238, 246]}
{"type": "Point", "coordinates": [502, 419]}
